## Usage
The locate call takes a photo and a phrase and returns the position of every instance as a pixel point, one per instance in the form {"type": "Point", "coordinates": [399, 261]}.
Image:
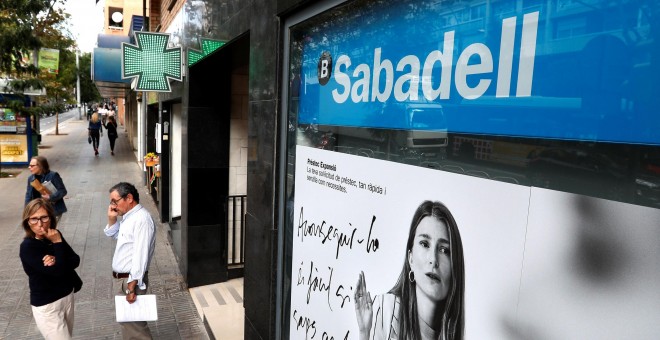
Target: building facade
{"type": "Point", "coordinates": [315, 132]}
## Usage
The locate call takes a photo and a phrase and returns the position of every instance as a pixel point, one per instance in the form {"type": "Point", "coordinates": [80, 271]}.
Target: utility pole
{"type": "Point", "coordinates": [78, 86]}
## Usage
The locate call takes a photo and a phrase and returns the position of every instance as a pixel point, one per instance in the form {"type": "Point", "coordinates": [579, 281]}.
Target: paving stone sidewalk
{"type": "Point", "coordinates": [88, 179]}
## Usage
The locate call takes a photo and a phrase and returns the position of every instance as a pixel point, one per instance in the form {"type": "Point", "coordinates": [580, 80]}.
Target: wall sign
{"type": "Point", "coordinates": [499, 71]}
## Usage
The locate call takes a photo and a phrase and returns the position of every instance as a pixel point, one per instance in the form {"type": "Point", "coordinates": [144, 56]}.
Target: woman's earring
{"type": "Point", "coordinates": [411, 276]}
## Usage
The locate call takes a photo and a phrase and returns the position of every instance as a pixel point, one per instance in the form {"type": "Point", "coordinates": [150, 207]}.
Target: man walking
{"type": "Point", "coordinates": [136, 240]}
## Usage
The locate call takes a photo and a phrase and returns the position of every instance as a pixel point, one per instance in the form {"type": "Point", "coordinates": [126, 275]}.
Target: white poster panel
{"type": "Point", "coordinates": [353, 215]}
{"type": "Point", "coordinates": [591, 270]}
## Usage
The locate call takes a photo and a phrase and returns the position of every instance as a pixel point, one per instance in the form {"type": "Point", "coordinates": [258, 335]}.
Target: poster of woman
{"type": "Point", "coordinates": [378, 256]}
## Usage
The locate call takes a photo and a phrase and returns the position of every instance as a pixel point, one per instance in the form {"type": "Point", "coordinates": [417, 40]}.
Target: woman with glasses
{"type": "Point", "coordinates": [41, 172]}
{"type": "Point", "coordinates": [49, 263]}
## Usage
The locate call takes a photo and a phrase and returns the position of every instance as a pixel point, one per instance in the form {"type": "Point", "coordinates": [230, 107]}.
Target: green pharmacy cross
{"type": "Point", "coordinates": [208, 46]}
{"type": "Point", "coordinates": [151, 62]}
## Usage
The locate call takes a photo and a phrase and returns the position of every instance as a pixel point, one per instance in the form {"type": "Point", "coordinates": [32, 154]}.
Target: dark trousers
{"type": "Point", "coordinates": [112, 142]}
{"type": "Point", "coordinates": [95, 138]}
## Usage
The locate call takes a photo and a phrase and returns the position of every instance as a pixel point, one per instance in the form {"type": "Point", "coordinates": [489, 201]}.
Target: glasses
{"type": "Point", "coordinates": [35, 220]}
{"type": "Point", "coordinates": [114, 202]}
{"type": "Point", "coordinates": [33, 165]}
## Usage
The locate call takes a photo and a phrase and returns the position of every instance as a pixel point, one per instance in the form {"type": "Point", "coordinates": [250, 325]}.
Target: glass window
{"type": "Point", "coordinates": [567, 104]}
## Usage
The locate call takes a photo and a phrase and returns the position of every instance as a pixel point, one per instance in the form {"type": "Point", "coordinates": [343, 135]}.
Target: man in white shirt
{"type": "Point", "coordinates": [135, 233]}
{"type": "Point", "coordinates": [103, 112]}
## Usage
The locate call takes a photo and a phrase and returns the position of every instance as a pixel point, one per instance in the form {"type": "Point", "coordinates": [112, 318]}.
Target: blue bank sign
{"type": "Point", "coordinates": [524, 74]}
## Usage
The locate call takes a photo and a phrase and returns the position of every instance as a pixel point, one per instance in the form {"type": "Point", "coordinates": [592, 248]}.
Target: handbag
{"type": "Point", "coordinates": [89, 139]}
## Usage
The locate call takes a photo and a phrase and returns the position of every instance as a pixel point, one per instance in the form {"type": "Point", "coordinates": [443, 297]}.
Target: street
{"type": "Point", "coordinates": [47, 124]}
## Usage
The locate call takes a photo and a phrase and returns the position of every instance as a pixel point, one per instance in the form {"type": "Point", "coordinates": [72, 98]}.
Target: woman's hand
{"type": "Point", "coordinates": [54, 236]}
{"type": "Point", "coordinates": [363, 307]}
{"type": "Point", "coordinates": [49, 260]}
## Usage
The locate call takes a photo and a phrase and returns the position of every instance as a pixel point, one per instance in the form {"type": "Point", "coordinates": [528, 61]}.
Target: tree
{"type": "Point", "coordinates": [88, 91]}
{"type": "Point", "coordinates": [25, 27]}
{"type": "Point", "coordinates": [17, 39]}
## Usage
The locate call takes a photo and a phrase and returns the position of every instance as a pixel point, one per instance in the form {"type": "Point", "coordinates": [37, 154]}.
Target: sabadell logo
{"type": "Point", "coordinates": [361, 83]}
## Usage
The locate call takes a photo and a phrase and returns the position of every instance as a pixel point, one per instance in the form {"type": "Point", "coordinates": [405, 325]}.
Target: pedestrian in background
{"type": "Point", "coordinates": [103, 112]}
{"type": "Point", "coordinates": [111, 127]}
{"type": "Point", "coordinates": [95, 130]}
{"type": "Point", "coordinates": [135, 233]}
{"type": "Point", "coordinates": [40, 170]}
{"type": "Point", "coordinates": [50, 264]}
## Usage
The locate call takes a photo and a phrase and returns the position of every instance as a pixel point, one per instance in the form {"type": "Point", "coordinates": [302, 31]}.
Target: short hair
{"type": "Point", "coordinates": [43, 163]}
{"type": "Point", "coordinates": [125, 188]}
{"type": "Point", "coordinates": [32, 208]}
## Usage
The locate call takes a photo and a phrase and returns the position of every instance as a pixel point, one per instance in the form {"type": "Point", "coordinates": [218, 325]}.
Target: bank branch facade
{"type": "Point", "coordinates": [529, 129]}
{"type": "Point", "coordinates": [413, 169]}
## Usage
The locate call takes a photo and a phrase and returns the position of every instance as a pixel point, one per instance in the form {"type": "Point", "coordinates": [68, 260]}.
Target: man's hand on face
{"type": "Point", "coordinates": [112, 214]}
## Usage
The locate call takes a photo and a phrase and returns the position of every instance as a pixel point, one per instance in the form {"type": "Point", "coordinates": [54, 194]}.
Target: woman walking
{"type": "Point", "coordinates": [40, 171]}
{"type": "Point", "coordinates": [50, 264]}
{"type": "Point", "coordinates": [111, 126]}
{"type": "Point", "coordinates": [95, 130]}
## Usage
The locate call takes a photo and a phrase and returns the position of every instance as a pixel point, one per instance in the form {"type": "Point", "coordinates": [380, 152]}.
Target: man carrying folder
{"type": "Point", "coordinates": [135, 233]}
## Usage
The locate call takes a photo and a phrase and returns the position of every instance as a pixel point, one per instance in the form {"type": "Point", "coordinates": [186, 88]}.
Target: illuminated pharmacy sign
{"type": "Point", "coordinates": [207, 46]}
{"type": "Point", "coordinates": [151, 62]}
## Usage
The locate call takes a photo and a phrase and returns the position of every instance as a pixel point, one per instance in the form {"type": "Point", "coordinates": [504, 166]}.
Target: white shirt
{"type": "Point", "coordinates": [136, 241]}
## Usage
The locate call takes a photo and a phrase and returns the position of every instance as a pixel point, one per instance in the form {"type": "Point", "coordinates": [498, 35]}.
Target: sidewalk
{"type": "Point", "coordinates": [88, 179]}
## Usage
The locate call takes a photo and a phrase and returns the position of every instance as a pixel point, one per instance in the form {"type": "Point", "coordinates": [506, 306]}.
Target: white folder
{"type": "Point", "coordinates": [143, 309]}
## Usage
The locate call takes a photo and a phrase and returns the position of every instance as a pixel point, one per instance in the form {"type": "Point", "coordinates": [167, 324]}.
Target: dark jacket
{"type": "Point", "coordinates": [98, 126]}
{"type": "Point", "coordinates": [112, 129]}
{"type": "Point", "coordinates": [57, 199]}
{"type": "Point", "coordinates": [49, 284]}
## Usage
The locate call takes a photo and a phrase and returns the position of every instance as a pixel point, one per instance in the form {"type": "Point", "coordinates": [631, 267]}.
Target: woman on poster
{"type": "Point", "coordinates": [427, 302]}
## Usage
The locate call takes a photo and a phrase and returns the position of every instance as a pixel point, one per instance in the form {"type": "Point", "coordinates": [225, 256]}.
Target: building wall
{"type": "Point", "coordinates": [254, 136]}
{"type": "Point", "coordinates": [165, 13]}
{"type": "Point", "coordinates": [238, 144]}
{"type": "Point", "coordinates": [129, 7]}
{"type": "Point", "coordinates": [228, 21]}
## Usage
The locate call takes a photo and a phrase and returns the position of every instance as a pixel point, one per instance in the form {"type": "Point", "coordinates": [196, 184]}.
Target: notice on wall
{"type": "Point", "coordinates": [352, 220]}
{"type": "Point", "coordinates": [510, 261]}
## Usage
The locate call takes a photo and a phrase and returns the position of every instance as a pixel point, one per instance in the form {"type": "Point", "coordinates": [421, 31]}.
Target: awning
{"type": "Point", "coordinates": [106, 73]}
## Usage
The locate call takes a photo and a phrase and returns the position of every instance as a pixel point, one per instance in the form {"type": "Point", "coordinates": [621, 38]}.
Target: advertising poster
{"type": "Point", "coordinates": [537, 263]}
{"type": "Point", "coordinates": [49, 60]}
{"type": "Point", "coordinates": [352, 219]}
{"type": "Point", "coordinates": [14, 148]}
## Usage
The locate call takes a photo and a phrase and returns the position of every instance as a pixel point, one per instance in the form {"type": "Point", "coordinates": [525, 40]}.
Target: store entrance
{"type": "Point", "coordinates": [216, 167]}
